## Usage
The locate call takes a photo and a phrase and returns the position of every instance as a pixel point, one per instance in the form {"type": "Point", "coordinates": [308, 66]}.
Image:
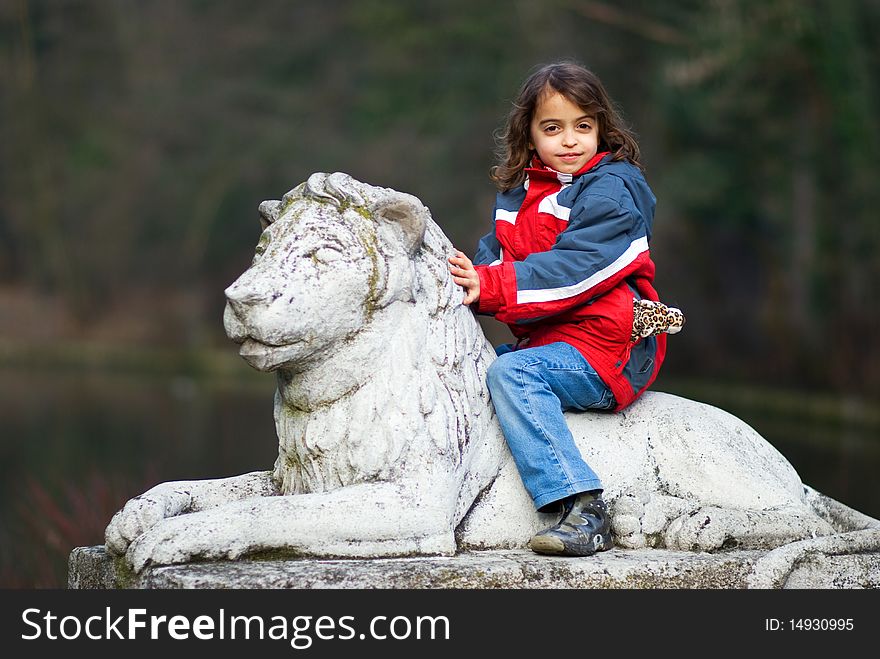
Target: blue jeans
{"type": "Point", "coordinates": [531, 388]}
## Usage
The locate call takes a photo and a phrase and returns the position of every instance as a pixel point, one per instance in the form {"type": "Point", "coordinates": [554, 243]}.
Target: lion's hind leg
{"type": "Point", "coordinates": [774, 568]}
{"type": "Point", "coordinates": [639, 519]}
{"type": "Point", "coordinates": [711, 528]}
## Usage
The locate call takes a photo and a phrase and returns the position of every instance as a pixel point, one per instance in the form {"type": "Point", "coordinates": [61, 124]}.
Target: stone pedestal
{"type": "Point", "coordinates": [93, 568]}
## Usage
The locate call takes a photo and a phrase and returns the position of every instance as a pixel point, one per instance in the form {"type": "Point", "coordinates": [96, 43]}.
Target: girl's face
{"type": "Point", "coordinates": [564, 137]}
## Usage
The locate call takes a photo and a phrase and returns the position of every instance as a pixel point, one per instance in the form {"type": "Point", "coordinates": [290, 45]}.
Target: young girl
{"type": "Point", "coordinates": [567, 268]}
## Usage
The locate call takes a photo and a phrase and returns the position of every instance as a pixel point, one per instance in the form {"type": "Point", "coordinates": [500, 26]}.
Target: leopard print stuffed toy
{"type": "Point", "coordinates": [651, 318]}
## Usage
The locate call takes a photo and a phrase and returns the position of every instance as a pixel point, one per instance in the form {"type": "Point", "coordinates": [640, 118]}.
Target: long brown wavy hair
{"type": "Point", "coordinates": [580, 86]}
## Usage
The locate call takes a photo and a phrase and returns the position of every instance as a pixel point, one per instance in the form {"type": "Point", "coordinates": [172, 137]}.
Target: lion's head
{"type": "Point", "coordinates": [333, 251]}
{"type": "Point", "coordinates": [350, 298]}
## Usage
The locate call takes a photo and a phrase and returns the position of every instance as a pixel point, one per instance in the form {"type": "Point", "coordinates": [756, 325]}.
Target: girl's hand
{"type": "Point", "coordinates": [465, 275]}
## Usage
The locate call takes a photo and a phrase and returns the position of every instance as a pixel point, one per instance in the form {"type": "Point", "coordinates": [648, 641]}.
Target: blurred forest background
{"type": "Point", "coordinates": [138, 137]}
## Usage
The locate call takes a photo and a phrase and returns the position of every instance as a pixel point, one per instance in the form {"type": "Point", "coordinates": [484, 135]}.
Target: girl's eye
{"type": "Point", "coordinates": [551, 129]}
{"type": "Point", "coordinates": [584, 126]}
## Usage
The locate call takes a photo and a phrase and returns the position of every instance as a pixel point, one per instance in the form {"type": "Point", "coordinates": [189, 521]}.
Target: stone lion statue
{"type": "Point", "coordinates": [387, 441]}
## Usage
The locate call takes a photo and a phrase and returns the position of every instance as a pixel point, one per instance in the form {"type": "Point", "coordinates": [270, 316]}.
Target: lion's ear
{"type": "Point", "coordinates": [407, 214]}
{"type": "Point", "coordinates": [269, 212]}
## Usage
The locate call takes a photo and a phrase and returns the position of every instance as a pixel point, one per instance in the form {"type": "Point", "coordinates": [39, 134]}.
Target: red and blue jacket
{"type": "Point", "coordinates": [567, 256]}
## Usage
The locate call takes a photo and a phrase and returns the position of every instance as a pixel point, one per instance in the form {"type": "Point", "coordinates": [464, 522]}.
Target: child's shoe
{"type": "Point", "coordinates": [583, 530]}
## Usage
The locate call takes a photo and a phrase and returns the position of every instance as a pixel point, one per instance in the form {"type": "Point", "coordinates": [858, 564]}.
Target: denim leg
{"type": "Point", "coordinates": [531, 388]}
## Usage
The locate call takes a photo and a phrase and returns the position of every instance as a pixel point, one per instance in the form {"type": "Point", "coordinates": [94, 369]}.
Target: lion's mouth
{"type": "Point", "coordinates": [251, 345]}
{"type": "Point", "coordinates": [268, 357]}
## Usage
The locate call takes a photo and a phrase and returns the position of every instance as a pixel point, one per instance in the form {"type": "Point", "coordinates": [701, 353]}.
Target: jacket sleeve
{"type": "Point", "coordinates": [488, 250]}
{"type": "Point", "coordinates": [605, 242]}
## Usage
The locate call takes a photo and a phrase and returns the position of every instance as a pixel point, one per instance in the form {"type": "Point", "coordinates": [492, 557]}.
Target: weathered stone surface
{"type": "Point", "coordinates": [388, 445]}
{"type": "Point", "coordinates": [92, 567]}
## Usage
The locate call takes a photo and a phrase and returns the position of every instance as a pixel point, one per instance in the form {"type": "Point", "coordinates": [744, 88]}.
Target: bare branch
{"type": "Point", "coordinates": [639, 25]}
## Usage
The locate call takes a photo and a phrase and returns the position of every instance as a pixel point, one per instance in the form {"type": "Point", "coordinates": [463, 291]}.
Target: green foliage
{"type": "Point", "coordinates": [772, 110]}
{"type": "Point", "coordinates": [139, 138]}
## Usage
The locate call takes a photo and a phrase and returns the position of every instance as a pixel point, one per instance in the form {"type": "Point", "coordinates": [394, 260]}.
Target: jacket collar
{"type": "Point", "coordinates": [539, 170]}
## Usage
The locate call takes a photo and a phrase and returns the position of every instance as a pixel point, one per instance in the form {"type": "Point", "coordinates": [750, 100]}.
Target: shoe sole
{"type": "Point", "coordinates": [547, 544]}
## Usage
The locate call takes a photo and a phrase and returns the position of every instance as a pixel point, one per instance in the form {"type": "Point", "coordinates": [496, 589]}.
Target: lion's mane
{"type": "Point", "coordinates": [419, 391]}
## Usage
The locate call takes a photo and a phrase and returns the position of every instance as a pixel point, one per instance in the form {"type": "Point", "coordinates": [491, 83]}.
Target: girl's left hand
{"type": "Point", "coordinates": [465, 275]}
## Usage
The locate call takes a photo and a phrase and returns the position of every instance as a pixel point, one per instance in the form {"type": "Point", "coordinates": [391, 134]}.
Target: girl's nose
{"type": "Point", "coordinates": [568, 138]}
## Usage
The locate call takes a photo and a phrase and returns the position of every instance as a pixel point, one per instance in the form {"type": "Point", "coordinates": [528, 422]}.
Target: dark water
{"type": "Point", "coordinates": [74, 446]}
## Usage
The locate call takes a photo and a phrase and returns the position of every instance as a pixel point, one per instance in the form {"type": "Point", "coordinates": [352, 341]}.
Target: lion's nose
{"type": "Point", "coordinates": [235, 329]}
{"type": "Point", "coordinates": [241, 297]}
{"type": "Point", "coordinates": [240, 301]}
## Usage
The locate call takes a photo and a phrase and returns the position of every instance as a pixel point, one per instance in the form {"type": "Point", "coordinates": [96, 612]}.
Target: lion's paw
{"type": "Point", "coordinates": [639, 520]}
{"type": "Point", "coordinates": [167, 543]}
{"type": "Point", "coordinates": [142, 513]}
{"type": "Point", "coordinates": [208, 534]}
{"type": "Point", "coordinates": [705, 529]}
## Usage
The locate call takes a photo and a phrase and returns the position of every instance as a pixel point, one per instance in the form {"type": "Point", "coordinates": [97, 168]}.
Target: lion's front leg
{"type": "Point", "coordinates": [366, 520]}
{"type": "Point", "coordinates": [171, 499]}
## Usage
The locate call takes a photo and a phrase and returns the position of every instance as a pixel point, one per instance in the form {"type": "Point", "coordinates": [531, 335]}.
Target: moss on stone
{"type": "Point", "coordinates": [124, 576]}
{"type": "Point", "coordinates": [370, 244]}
